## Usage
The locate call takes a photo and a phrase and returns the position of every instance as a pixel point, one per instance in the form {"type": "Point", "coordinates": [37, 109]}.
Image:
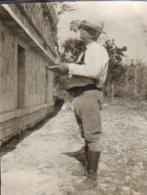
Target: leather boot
{"type": "Point", "coordinates": [91, 180]}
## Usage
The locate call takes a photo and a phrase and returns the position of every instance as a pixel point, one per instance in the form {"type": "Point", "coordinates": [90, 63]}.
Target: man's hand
{"type": "Point", "coordinates": [55, 69]}
{"type": "Point", "coordinates": [64, 68]}
{"type": "Point", "coordinates": [61, 69]}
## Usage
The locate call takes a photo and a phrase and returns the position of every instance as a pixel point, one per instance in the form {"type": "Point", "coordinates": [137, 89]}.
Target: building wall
{"type": "Point", "coordinates": [36, 79]}
{"type": "Point", "coordinates": [8, 66]}
{"type": "Point", "coordinates": [26, 85]}
{"type": "Point", "coordinates": [17, 125]}
{"type": "Point", "coordinates": [39, 17]}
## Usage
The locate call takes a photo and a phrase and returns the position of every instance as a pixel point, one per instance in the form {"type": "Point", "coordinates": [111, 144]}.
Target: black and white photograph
{"type": "Point", "coordinates": [73, 97]}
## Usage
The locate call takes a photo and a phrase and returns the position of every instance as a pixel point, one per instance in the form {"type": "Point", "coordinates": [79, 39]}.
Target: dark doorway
{"type": "Point", "coordinates": [21, 77]}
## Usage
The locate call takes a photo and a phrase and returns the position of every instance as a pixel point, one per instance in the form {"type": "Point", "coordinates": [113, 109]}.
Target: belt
{"type": "Point", "coordinates": [76, 91]}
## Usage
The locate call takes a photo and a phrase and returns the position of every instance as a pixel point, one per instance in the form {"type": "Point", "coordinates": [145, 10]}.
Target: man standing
{"type": "Point", "coordinates": [86, 87]}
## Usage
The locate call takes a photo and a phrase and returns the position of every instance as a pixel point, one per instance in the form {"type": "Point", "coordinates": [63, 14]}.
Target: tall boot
{"type": "Point", "coordinates": [91, 180]}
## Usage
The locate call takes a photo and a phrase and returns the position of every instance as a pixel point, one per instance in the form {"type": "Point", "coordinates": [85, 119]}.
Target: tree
{"type": "Point", "coordinates": [116, 68]}
{"type": "Point", "coordinates": [116, 54]}
{"type": "Point", "coordinates": [72, 50]}
{"type": "Point", "coordinates": [61, 8]}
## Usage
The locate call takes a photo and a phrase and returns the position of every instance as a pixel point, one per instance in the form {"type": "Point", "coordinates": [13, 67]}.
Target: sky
{"type": "Point", "coordinates": [123, 22]}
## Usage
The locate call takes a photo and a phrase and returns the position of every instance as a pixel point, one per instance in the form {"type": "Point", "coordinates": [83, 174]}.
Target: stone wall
{"type": "Point", "coordinates": [8, 61]}
{"type": "Point", "coordinates": [27, 47]}
{"type": "Point", "coordinates": [16, 126]}
{"type": "Point", "coordinates": [40, 17]}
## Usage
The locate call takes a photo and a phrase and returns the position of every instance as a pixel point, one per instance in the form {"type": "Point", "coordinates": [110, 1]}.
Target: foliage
{"type": "Point", "coordinates": [72, 49]}
{"type": "Point", "coordinates": [116, 67]}
{"type": "Point", "coordinates": [76, 25]}
{"type": "Point", "coordinates": [61, 8]}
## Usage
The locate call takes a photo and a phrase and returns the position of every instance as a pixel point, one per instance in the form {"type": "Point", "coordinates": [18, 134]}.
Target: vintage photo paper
{"type": "Point", "coordinates": [73, 97]}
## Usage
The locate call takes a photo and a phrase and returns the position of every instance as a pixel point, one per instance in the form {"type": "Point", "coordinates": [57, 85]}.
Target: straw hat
{"type": "Point", "coordinates": [97, 27]}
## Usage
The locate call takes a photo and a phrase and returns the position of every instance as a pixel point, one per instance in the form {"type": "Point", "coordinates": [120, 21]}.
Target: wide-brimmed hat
{"type": "Point", "coordinates": [97, 27]}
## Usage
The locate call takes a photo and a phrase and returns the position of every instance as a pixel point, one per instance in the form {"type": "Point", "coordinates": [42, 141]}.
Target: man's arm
{"type": "Point", "coordinates": [83, 70]}
{"type": "Point", "coordinates": [96, 59]}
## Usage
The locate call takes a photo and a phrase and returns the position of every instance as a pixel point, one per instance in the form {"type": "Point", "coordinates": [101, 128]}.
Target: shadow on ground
{"type": "Point", "coordinates": [11, 145]}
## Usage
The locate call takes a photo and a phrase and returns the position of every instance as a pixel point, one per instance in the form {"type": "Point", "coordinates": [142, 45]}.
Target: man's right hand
{"type": "Point", "coordinates": [55, 69]}
{"type": "Point", "coordinates": [61, 69]}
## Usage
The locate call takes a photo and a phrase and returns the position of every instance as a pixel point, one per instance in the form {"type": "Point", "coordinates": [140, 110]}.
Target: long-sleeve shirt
{"type": "Point", "coordinates": [95, 66]}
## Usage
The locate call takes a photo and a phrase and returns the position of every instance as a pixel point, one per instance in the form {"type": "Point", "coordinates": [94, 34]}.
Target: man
{"type": "Point", "coordinates": [86, 85]}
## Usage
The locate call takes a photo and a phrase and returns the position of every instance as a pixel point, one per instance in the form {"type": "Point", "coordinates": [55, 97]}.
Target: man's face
{"type": "Point", "coordinates": [84, 35]}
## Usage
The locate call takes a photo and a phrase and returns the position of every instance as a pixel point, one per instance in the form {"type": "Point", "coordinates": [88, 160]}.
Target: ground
{"type": "Point", "coordinates": [37, 164]}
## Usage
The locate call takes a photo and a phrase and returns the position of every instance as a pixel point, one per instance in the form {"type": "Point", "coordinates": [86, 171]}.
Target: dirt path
{"type": "Point", "coordinates": [38, 166]}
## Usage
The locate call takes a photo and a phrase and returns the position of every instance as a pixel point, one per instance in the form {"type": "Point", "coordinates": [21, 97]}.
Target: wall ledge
{"type": "Point", "coordinates": [21, 112]}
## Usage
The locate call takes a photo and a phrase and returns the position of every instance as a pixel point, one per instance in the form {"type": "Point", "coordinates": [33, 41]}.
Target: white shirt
{"type": "Point", "coordinates": [96, 63]}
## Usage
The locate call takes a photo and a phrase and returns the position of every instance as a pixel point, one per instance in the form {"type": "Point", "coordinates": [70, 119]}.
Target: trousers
{"type": "Point", "coordinates": [87, 108]}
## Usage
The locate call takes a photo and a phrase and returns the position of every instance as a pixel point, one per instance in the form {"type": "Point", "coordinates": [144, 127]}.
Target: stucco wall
{"type": "Point", "coordinates": [35, 71]}
{"type": "Point", "coordinates": [35, 81]}
{"type": "Point", "coordinates": [8, 62]}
